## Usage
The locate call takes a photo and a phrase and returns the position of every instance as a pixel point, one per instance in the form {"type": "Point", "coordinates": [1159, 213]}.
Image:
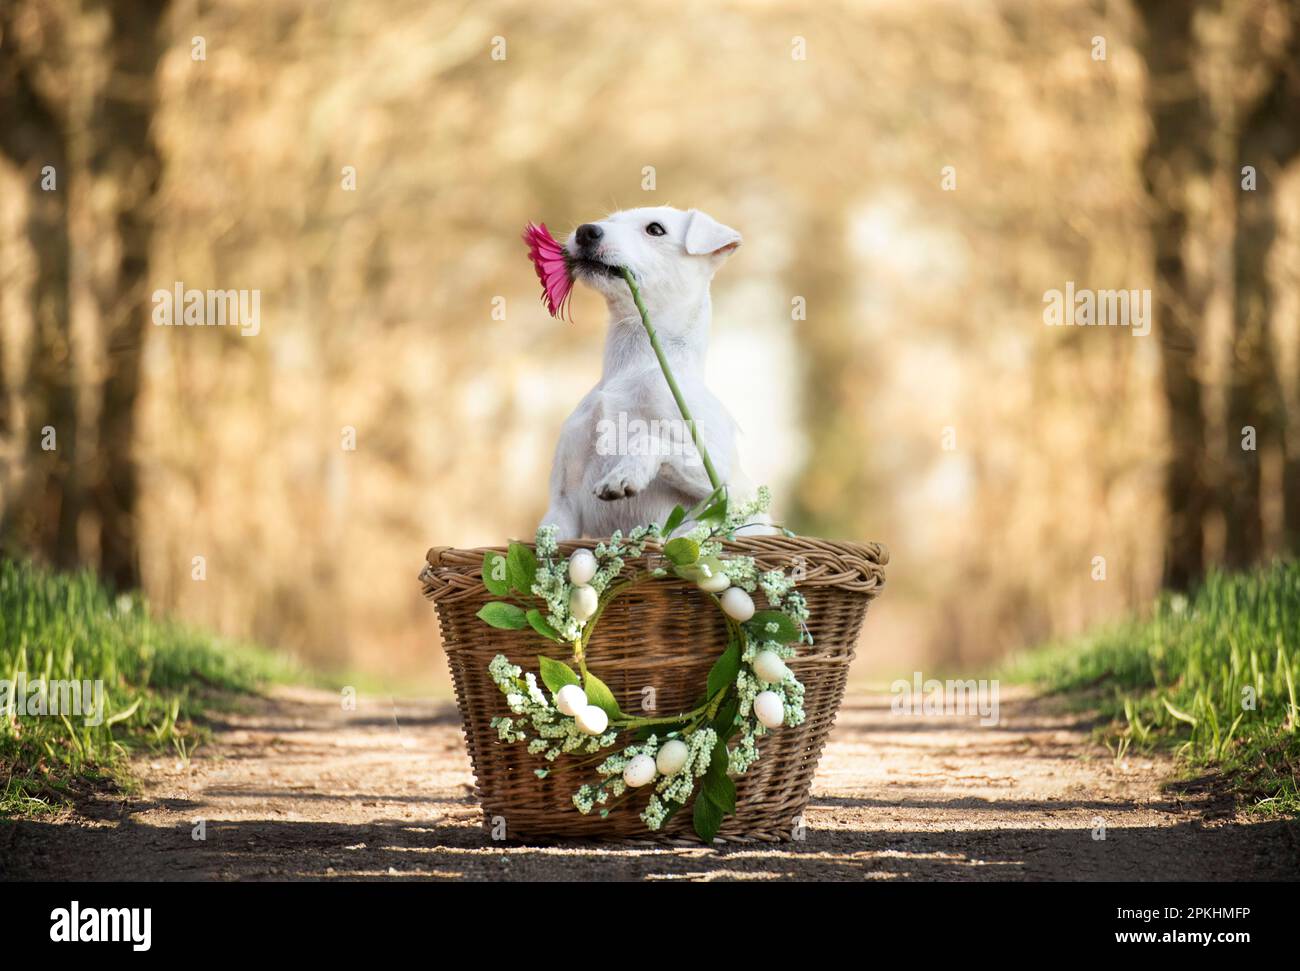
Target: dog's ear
{"type": "Point", "coordinates": [706, 236]}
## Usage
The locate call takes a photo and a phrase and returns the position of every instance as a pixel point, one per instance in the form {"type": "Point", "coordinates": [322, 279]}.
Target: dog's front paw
{"type": "Point", "coordinates": [621, 483]}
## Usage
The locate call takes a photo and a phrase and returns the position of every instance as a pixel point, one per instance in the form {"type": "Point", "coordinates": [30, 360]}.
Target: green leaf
{"type": "Point", "coordinates": [1182, 716]}
{"type": "Point", "coordinates": [682, 550]}
{"type": "Point", "coordinates": [718, 788]}
{"type": "Point", "coordinates": [673, 807]}
{"type": "Point", "coordinates": [724, 723]}
{"type": "Point", "coordinates": [122, 716]}
{"type": "Point", "coordinates": [521, 568]}
{"type": "Point", "coordinates": [675, 519]}
{"type": "Point", "coordinates": [660, 731]}
{"type": "Point", "coordinates": [542, 625]}
{"type": "Point", "coordinates": [717, 795]}
{"type": "Point", "coordinates": [600, 696]}
{"type": "Point", "coordinates": [708, 818]}
{"type": "Point", "coordinates": [556, 674]}
{"type": "Point", "coordinates": [503, 615]}
{"type": "Point", "coordinates": [494, 574]}
{"type": "Point", "coordinates": [724, 669]}
{"type": "Point", "coordinates": [786, 632]}
{"type": "Point", "coordinates": [708, 502]}
{"type": "Point", "coordinates": [715, 513]}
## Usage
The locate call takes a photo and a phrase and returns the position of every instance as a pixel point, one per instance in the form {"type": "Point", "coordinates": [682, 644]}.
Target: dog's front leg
{"type": "Point", "coordinates": [632, 465]}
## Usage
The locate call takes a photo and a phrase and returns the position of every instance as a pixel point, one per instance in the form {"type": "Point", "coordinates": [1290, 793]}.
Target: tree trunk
{"type": "Point", "coordinates": [40, 515]}
{"type": "Point", "coordinates": [1268, 140]}
{"type": "Point", "coordinates": [1178, 153]}
{"type": "Point", "coordinates": [123, 154]}
{"type": "Point", "coordinates": [1255, 394]}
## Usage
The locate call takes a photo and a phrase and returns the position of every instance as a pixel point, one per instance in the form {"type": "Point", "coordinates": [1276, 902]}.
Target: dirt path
{"type": "Point", "coordinates": [296, 788]}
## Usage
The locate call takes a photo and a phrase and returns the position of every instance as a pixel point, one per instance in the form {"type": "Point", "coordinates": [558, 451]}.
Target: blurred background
{"type": "Point", "coordinates": [911, 179]}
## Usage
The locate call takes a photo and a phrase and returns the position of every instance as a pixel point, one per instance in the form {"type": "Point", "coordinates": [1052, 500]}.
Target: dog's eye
{"type": "Point", "coordinates": [654, 229]}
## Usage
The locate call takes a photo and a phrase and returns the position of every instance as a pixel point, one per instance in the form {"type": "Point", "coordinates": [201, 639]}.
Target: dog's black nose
{"type": "Point", "coordinates": [589, 234]}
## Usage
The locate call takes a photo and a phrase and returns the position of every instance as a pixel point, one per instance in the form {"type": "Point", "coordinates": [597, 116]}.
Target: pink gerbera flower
{"type": "Point", "coordinates": [552, 268]}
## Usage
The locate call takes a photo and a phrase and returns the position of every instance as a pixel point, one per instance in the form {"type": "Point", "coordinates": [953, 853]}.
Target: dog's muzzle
{"type": "Point", "coordinates": [590, 267]}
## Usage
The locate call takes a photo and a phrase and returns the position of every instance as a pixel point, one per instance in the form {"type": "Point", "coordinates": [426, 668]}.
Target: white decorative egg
{"type": "Point", "coordinates": [639, 770]}
{"type": "Point", "coordinates": [583, 602]}
{"type": "Point", "coordinates": [737, 604]}
{"type": "Point", "coordinates": [769, 666]}
{"type": "Point", "coordinates": [571, 699]}
{"type": "Point", "coordinates": [592, 720]}
{"type": "Point", "coordinates": [671, 757]}
{"type": "Point", "coordinates": [716, 583]}
{"type": "Point", "coordinates": [582, 567]}
{"type": "Point", "coordinates": [769, 709]}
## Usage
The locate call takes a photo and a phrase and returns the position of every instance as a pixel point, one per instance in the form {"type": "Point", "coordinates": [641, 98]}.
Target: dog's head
{"type": "Point", "coordinates": [672, 254]}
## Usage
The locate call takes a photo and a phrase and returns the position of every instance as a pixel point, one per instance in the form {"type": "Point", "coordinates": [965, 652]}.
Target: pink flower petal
{"type": "Point", "coordinates": [552, 268]}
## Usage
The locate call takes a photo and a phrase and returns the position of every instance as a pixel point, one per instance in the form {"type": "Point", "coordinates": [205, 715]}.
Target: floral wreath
{"type": "Point", "coordinates": [750, 691]}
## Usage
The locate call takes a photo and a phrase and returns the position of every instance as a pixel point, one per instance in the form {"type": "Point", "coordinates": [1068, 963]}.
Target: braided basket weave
{"type": "Point", "coordinates": [664, 635]}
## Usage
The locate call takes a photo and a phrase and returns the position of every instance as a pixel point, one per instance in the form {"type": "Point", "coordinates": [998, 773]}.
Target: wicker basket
{"type": "Point", "coordinates": [666, 635]}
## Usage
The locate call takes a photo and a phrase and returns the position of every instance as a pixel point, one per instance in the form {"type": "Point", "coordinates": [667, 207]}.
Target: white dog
{"type": "Point", "coordinates": [625, 457]}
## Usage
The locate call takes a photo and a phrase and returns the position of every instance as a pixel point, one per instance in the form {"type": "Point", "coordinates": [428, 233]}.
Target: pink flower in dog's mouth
{"type": "Point", "coordinates": [552, 268]}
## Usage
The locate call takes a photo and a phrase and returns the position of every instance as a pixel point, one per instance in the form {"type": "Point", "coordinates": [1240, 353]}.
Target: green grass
{"type": "Point", "coordinates": [159, 677]}
{"type": "Point", "coordinates": [1186, 678]}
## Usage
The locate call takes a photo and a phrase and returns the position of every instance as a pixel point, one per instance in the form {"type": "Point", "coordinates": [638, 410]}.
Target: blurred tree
{"type": "Point", "coordinates": [82, 140]}
{"type": "Point", "coordinates": [1267, 140]}
{"type": "Point", "coordinates": [828, 494]}
{"type": "Point", "coordinates": [1178, 156]}
{"type": "Point", "coordinates": [39, 514]}
{"type": "Point", "coordinates": [122, 155]}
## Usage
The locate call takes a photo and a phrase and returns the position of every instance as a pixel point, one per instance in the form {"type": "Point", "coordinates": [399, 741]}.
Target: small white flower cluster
{"type": "Point", "coordinates": [612, 556]}
{"type": "Point", "coordinates": [612, 784]}
{"type": "Point", "coordinates": [738, 514]}
{"type": "Point", "coordinates": [552, 585]}
{"type": "Point", "coordinates": [676, 763]}
{"type": "Point", "coordinates": [775, 586]}
{"type": "Point", "coordinates": [547, 541]}
{"type": "Point", "coordinates": [762, 708]}
{"type": "Point", "coordinates": [742, 513]}
{"type": "Point", "coordinates": [556, 734]}
{"type": "Point", "coordinates": [676, 789]}
{"type": "Point", "coordinates": [571, 588]}
{"type": "Point", "coordinates": [780, 592]}
{"type": "Point", "coordinates": [742, 571]}
{"type": "Point", "coordinates": [768, 694]}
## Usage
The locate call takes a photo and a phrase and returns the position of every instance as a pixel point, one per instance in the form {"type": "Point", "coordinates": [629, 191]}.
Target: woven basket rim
{"type": "Point", "coordinates": [853, 566]}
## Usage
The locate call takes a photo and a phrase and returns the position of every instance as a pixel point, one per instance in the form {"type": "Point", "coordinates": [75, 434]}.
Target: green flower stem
{"type": "Point", "coordinates": [672, 382]}
{"type": "Point", "coordinates": [708, 709]}
{"type": "Point", "coordinates": [716, 704]}
{"type": "Point", "coordinates": [617, 801]}
{"type": "Point", "coordinates": [662, 720]}
{"type": "Point", "coordinates": [591, 760]}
